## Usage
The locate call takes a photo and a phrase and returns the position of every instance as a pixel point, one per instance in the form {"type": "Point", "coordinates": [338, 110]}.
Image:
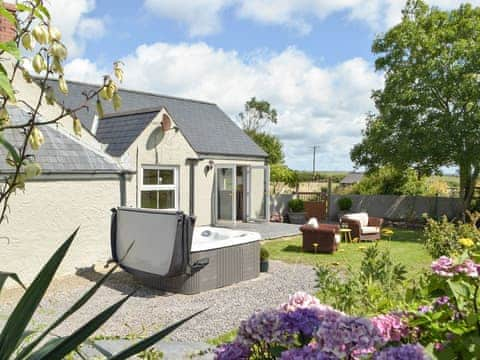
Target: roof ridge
{"type": "Point", "coordinates": [133, 112]}
{"type": "Point", "coordinates": [138, 91]}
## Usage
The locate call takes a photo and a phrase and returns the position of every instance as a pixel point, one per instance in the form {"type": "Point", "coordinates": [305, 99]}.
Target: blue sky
{"type": "Point", "coordinates": [309, 58]}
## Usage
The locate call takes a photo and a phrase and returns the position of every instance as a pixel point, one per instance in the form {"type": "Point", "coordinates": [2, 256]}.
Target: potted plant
{"type": "Point", "coordinates": [296, 213]}
{"type": "Point", "coordinates": [264, 255]}
{"type": "Point", "coordinates": [344, 205]}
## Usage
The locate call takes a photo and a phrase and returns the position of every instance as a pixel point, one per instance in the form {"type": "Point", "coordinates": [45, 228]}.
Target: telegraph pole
{"type": "Point", "coordinates": [314, 156]}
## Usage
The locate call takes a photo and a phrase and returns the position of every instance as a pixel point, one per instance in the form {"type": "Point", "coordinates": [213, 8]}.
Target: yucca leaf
{"type": "Point", "coordinates": [80, 302]}
{"type": "Point", "coordinates": [27, 349]}
{"type": "Point", "coordinates": [49, 345]}
{"type": "Point", "coordinates": [71, 342]}
{"type": "Point", "coordinates": [20, 317]}
{"type": "Point", "coordinates": [5, 275]}
{"type": "Point", "coordinates": [151, 340]}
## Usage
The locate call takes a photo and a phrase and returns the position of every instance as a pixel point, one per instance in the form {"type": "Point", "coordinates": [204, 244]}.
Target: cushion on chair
{"type": "Point", "coordinates": [313, 222]}
{"type": "Point", "coordinates": [362, 217]}
{"type": "Point", "coordinates": [370, 229]}
{"type": "Point", "coordinates": [338, 239]}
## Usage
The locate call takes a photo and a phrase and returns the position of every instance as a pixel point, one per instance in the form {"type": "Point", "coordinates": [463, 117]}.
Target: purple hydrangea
{"type": "Point", "coordinates": [442, 300]}
{"type": "Point", "coordinates": [303, 320]}
{"type": "Point", "coordinates": [391, 327]}
{"type": "Point", "coordinates": [347, 336]}
{"type": "Point", "coordinates": [232, 351]}
{"type": "Point", "coordinates": [263, 326]}
{"type": "Point", "coordinates": [308, 352]}
{"type": "Point", "coordinates": [404, 352]}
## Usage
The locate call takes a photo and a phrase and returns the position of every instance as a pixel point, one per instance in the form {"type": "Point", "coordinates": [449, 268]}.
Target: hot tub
{"type": "Point", "coordinates": [233, 256]}
{"type": "Point", "coordinates": [166, 254]}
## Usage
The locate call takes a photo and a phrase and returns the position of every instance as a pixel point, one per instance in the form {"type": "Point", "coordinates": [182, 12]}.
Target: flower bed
{"type": "Point", "coordinates": [441, 321]}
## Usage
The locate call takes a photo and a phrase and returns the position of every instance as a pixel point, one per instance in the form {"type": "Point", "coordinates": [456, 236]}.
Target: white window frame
{"type": "Point", "coordinates": [160, 187]}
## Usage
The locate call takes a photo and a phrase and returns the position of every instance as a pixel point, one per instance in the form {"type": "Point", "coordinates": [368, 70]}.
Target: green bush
{"type": "Point", "coordinates": [441, 238]}
{"type": "Point", "coordinates": [377, 287]}
{"type": "Point", "coordinates": [344, 203]}
{"type": "Point", "coordinates": [264, 254]}
{"type": "Point", "coordinates": [296, 205]}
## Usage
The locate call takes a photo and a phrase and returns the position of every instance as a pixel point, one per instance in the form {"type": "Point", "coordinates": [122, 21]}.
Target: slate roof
{"type": "Point", "coordinates": [352, 178]}
{"type": "Point", "coordinates": [205, 126]}
{"type": "Point", "coordinates": [60, 154]}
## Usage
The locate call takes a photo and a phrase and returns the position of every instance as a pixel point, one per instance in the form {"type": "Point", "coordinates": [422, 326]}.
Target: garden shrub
{"type": "Point", "coordinates": [264, 254]}
{"type": "Point", "coordinates": [344, 203]}
{"type": "Point", "coordinates": [376, 287]}
{"type": "Point", "coordinates": [296, 205]}
{"type": "Point", "coordinates": [444, 238]}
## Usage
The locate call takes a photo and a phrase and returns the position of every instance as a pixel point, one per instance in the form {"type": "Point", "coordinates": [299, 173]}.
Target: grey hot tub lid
{"type": "Point", "coordinates": [170, 241]}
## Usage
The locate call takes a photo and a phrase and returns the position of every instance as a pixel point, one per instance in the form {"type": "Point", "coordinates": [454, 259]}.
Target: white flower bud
{"type": "Point", "coordinates": [77, 127]}
{"type": "Point", "coordinates": [40, 33]}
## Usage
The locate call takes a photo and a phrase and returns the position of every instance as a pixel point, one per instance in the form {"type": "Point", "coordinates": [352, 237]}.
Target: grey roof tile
{"type": "Point", "coordinates": [205, 126]}
{"type": "Point", "coordinates": [60, 153]}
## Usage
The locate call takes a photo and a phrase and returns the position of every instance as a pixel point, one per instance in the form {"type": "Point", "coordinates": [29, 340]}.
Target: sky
{"type": "Point", "coordinates": [310, 59]}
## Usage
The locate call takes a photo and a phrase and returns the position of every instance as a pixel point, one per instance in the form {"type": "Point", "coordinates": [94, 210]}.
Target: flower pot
{"type": "Point", "coordinates": [263, 265]}
{"type": "Point", "coordinates": [297, 217]}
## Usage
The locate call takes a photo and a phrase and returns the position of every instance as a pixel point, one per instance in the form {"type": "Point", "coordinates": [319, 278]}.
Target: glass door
{"type": "Point", "coordinates": [258, 193]}
{"type": "Point", "coordinates": [225, 193]}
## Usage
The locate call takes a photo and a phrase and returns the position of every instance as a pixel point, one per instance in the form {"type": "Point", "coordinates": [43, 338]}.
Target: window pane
{"type": "Point", "coordinates": [150, 177]}
{"type": "Point", "coordinates": [149, 199]}
{"type": "Point", "coordinates": [166, 199]}
{"type": "Point", "coordinates": [166, 177]}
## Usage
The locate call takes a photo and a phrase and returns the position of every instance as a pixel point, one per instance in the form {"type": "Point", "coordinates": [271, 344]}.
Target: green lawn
{"type": "Point", "coordinates": [406, 247]}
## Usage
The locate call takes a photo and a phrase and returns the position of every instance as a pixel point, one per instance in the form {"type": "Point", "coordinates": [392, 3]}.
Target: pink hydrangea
{"type": "Point", "coordinates": [443, 266]}
{"type": "Point", "coordinates": [468, 267]}
{"type": "Point", "coordinates": [391, 327]}
{"type": "Point", "coordinates": [299, 300]}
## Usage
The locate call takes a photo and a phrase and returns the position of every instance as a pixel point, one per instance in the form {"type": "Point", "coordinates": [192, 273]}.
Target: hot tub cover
{"type": "Point", "coordinates": [161, 240]}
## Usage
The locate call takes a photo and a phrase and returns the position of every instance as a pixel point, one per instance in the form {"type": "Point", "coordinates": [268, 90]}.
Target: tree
{"type": "Point", "coordinates": [257, 115]}
{"type": "Point", "coordinates": [389, 181]}
{"type": "Point", "coordinates": [281, 174]}
{"type": "Point", "coordinates": [270, 144]}
{"type": "Point", "coordinates": [428, 114]}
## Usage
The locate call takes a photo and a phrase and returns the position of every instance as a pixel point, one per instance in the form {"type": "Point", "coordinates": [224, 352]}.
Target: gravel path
{"type": "Point", "coordinates": [149, 310]}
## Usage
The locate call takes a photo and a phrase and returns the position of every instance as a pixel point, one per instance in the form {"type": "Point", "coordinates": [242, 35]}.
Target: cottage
{"type": "Point", "coordinates": [186, 154]}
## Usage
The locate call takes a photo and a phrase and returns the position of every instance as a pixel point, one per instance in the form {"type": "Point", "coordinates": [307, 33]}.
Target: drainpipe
{"type": "Point", "coordinates": [123, 189]}
{"type": "Point", "coordinates": [192, 163]}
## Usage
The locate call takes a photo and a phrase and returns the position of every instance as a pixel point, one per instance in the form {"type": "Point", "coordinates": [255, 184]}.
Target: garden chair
{"type": "Point", "coordinates": [364, 227]}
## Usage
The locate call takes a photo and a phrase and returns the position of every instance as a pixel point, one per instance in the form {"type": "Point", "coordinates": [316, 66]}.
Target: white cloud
{"type": "Point", "coordinates": [84, 70]}
{"type": "Point", "coordinates": [317, 105]}
{"type": "Point", "coordinates": [203, 17]}
{"type": "Point", "coordinates": [75, 24]}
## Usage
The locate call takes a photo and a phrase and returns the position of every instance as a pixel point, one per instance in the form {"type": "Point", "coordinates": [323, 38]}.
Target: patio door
{"type": "Point", "coordinates": [258, 193]}
{"type": "Point", "coordinates": [225, 194]}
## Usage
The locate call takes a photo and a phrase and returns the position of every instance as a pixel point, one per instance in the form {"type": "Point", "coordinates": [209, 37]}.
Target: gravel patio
{"type": "Point", "coordinates": [149, 310]}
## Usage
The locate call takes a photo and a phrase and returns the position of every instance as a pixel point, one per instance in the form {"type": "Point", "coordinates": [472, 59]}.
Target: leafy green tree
{"type": "Point", "coordinates": [389, 181]}
{"type": "Point", "coordinates": [270, 144]}
{"type": "Point", "coordinates": [428, 114]}
{"type": "Point", "coordinates": [281, 174]}
{"type": "Point", "coordinates": [257, 115]}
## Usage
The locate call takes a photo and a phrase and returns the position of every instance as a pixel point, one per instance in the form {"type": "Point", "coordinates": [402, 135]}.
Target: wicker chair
{"type": "Point", "coordinates": [323, 236]}
{"type": "Point", "coordinates": [363, 227]}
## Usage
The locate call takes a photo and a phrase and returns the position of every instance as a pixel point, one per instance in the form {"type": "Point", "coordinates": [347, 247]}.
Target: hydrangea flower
{"type": "Point", "coordinates": [263, 326]}
{"type": "Point", "coordinates": [306, 321]}
{"type": "Point", "coordinates": [404, 352]}
{"type": "Point", "coordinates": [347, 335]}
{"type": "Point", "coordinates": [299, 300]}
{"type": "Point", "coordinates": [232, 351]}
{"type": "Point", "coordinates": [468, 267]}
{"type": "Point", "coordinates": [308, 352]}
{"type": "Point", "coordinates": [443, 266]}
{"type": "Point", "coordinates": [391, 327]}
